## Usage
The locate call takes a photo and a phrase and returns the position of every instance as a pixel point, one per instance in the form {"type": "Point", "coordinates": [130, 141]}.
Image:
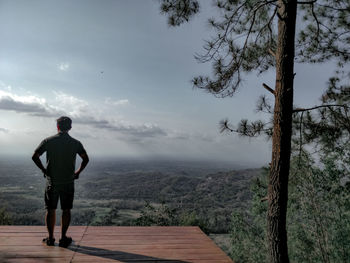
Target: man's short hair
{"type": "Point", "coordinates": [64, 123]}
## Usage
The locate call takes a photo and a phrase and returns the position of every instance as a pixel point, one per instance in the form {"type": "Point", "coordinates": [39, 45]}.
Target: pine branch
{"type": "Point", "coordinates": [320, 106]}
{"type": "Point", "coordinates": [264, 199]}
{"type": "Point", "coordinates": [224, 126]}
{"type": "Point", "coordinates": [317, 23]}
{"type": "Point", "coordinates": [306, 2]}
{"type": "Point", "coordinates": [269, 89]}
{"type": "Point", "coordinates": [333, 8]}
{"type": "Point", "coordinates": [268, 25]}
{"type": "Point", "coordinates": [272, 53]}
{"type": "Point", "coordinates": [300, 135]}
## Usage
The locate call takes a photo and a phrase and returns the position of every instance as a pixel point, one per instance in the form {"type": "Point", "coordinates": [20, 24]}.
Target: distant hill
{"type": "Point", "coordinates": [213, 197]}
{"type": "Point", "coordinates": [219, 188]}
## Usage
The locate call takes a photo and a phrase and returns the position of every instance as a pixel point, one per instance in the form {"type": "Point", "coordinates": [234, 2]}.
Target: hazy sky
{"type": "Point", "coordinates": [123, 76]}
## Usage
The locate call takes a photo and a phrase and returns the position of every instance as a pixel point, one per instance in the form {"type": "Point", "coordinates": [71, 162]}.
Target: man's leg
{"type": "Point", "coordinates": [50, 220]}
{"type": "Point", "coordinates": [66, 197]}
{"type": "Point", "coordinates": [65, 221]}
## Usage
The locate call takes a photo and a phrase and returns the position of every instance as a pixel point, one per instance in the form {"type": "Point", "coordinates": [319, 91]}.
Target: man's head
{"type": "Point", "coordinates": [64, 123]}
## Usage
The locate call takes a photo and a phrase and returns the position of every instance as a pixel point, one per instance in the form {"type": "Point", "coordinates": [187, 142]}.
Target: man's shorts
{"type": "Point", "coordinates": [63, 192]}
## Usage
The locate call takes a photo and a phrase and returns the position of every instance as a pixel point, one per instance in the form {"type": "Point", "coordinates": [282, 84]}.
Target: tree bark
{"type": "Point", "coordinates": [282, 132]}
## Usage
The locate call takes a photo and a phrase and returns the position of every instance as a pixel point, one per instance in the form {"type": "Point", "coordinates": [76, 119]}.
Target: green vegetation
{"type": "Point", "coordinates": [4, 217]}
{"type": "Point", "coordinates": [318, 216]}
{"type": "Point", "coordinates": [163, 215]}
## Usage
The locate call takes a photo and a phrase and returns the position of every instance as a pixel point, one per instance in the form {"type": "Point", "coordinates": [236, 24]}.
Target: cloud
{"type": "Point", "coordinates": [130, 130]}
{"type": "Point", "coordinates": [26, 104]}
{"type": "Point", "coordinates": [63, 66]}
{"type": "Point", "coordinates": [4, 130]}
{"type": "Point", "coordinates": [144, 130]}
{"type": "Point", "coordinates": [178, 135]}
{"type": "Point", "coordinates": [110, 101]}
{"type": "Point", "coordinates": [73, 106]}
{"type": "Point", "coordinates": [80, 111]}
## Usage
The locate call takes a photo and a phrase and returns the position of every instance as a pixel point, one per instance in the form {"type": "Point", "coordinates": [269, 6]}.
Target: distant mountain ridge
{"type": "Point", "coordinates": [223, 189]}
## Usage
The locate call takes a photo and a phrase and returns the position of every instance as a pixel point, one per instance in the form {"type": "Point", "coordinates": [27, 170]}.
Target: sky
{"type": "Point", "coordinates": [124, 77]}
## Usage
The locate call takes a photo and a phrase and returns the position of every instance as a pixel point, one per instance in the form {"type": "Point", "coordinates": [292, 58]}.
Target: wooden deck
{"type": "Point", "coordinates": [111, 244]}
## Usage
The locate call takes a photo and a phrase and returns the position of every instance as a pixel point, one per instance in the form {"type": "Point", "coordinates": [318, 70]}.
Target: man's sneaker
{"type": "Point", "coordinates": [49, 241]}
{"type": "Point", "coordinates": [65, 241]}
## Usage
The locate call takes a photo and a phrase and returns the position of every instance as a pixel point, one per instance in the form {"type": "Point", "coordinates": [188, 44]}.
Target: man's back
{"type": "Point", "coordinates": [61, 150]}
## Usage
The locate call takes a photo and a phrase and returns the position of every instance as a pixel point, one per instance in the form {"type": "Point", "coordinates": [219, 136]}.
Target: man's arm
{"type": "Point", "coordinates": [37, 161]}
{"type": "Point", "coordinates": [83, 164]}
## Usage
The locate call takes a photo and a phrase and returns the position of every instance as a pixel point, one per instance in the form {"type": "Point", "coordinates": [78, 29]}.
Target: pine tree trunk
{"type": "Point", "coordinates": [282, 132]}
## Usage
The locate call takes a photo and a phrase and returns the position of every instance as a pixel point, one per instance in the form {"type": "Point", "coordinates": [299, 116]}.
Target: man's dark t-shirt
{"type": "Point", "coordinates": [61, 150]}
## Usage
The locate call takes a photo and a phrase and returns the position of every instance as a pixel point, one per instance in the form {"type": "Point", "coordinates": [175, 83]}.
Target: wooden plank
{"type": "Point", "coordinates": [38, 234]}
{"type": "Point", "coordinates": [151, 252]}
{"type": "Point", "coordinates": [123, 247]}
{"type": "Point", "coordinates": [21, 229]}
{"type": "Point", "coordinates": [152, 246]}
{"type": "Point", "coordinates": [27, 240]}
{"type": "Point", "coordinates": [194, 238]}
{"type": "Point", "coordinates": [142, 257]}
{"type": "Point", "coordinates": [228, 260]}
{"type": "Point", "coordinates": [30, 248]}
{"type": "Point", "coordinates": [142, 241]}
{"type": "Point", "coordinates": [67, 252]}
{"type": "Point", "coordinates": [95, 259]}
{"type": "Point", "coordinates": [130, 231]}
{"type": "Point", "coordinates": [145, 228]}
{"type": "Point", "coordinates": [37, 260]}
{"type": "Point", "coordinates": [41, 254]}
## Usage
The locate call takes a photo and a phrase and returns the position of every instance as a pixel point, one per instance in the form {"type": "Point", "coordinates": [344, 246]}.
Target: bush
{"type": "Point", "coordinates": [5, 219]}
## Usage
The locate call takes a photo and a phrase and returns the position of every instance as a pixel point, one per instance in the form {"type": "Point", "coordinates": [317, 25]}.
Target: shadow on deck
{"type": "Point", "coordinates": [118, 255]}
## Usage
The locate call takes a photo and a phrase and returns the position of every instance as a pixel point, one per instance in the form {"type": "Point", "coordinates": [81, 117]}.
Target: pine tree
{"type": "Point", "coordinates": [255, 35]}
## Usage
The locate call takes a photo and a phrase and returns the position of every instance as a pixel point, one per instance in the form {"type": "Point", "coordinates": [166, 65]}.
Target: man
{"type": "Point", "coordinates": [61, 150]}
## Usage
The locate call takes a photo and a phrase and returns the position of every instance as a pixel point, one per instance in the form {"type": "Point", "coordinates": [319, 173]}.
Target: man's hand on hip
{"type": "Point", "coordinates": [44, 172]}
{"type": "Point", "coordinates": [76, 175]}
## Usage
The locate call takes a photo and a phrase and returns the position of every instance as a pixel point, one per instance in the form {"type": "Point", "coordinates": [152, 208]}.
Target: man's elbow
{"type": "Point", "coordinates": [35, 156]}
{"type": "Point", "coordinates": [86, 159]}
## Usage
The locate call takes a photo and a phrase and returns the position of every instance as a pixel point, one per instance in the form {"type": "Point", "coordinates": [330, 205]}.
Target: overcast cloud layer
{"type": "Point", "coordinates": [124, 77]}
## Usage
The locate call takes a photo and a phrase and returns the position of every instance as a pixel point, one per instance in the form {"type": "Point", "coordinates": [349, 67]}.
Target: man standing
{"type": "Point", "coordinates": [61, 150]}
